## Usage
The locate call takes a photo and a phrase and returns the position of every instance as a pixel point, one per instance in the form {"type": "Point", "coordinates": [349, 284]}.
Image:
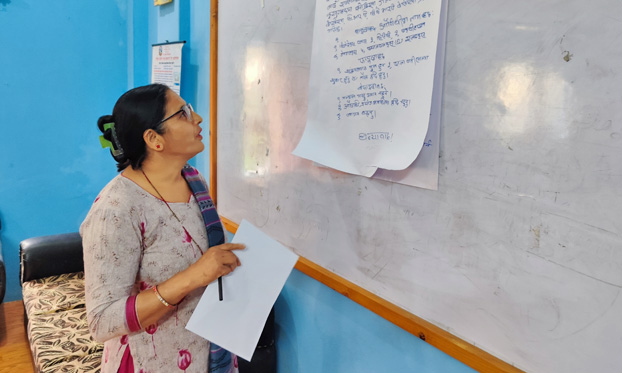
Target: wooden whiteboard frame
{"type": "Point", "coordinates": [453, 346]}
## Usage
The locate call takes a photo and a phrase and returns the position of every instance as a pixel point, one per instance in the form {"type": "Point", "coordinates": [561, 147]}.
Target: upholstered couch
{"type": "Point", "coordinates": [52, 281]}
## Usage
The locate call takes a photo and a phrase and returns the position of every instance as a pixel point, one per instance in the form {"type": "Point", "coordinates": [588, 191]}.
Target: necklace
{"type": "Point", "coordinates": [172, 212]}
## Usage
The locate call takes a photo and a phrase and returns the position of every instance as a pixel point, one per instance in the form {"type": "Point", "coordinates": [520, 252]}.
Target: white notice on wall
{"type": "Point", "coordinates": [166, 65]}
{"type": "Point", "coordinates": [371, 80]}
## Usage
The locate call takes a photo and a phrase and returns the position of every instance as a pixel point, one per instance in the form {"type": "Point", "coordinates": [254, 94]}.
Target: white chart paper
{"type": "Point", "coordinates": [423, 172]}
{"type": "Point", "coordinates": [236, 322]}
{"type": "Point", "coordinates": [371, 80]}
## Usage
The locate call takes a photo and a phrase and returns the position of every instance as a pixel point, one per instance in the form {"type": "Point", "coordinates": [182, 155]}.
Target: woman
{"type": "Point", "coordinates": [145, 240]}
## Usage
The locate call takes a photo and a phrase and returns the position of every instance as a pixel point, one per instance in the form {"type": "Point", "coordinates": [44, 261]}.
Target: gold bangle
{"type": "Point", "coordinates": [157, 293]}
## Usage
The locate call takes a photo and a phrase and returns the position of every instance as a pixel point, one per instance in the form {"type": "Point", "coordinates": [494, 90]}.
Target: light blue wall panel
{"type": "Point", "coordinates": [64, 63]}
{"type": "Point", "coordinates": [320, 330]}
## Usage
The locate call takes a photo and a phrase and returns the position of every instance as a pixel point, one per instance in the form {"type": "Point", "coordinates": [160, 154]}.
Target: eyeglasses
{"type": "Point", "coordinates": [186, 111]}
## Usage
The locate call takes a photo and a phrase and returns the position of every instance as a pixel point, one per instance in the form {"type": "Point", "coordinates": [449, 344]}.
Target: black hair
{"type": "Point", "coordinates": [136, 111]}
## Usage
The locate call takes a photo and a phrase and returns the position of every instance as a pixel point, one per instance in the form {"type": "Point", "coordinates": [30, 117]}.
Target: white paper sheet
{"type": "Point", "coordinates": [370, 85]}
{"type": "Point", "coordinates": [166, 65]}
{"type": "Point", "coordinates": [236, 322]}
{"type": "Point", "coordinates": [423, 172]}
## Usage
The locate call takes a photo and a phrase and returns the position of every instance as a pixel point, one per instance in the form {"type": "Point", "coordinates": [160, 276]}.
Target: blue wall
{"type": "Point", "coordinates": [327, 332]}
{"type": "Point", "coordinates": [63, 64]}
{"type": "Point", "coordinates": [187, 21]}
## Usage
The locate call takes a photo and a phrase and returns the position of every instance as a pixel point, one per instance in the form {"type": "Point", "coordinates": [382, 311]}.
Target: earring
{"type": "Point", "coordinates": [158, 146]}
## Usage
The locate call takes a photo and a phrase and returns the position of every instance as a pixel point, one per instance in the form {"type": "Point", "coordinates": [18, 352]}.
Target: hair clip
{"type": "Point", "coordinates": [115, 148]}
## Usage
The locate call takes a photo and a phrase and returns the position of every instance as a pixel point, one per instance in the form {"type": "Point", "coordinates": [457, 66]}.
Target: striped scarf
{"type": "Point", "coordinates": [220, 360]}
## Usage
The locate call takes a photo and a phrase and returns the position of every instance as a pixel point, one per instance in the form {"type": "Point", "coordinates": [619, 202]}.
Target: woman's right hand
{"type": "Point", "coordinates": [217, 261]}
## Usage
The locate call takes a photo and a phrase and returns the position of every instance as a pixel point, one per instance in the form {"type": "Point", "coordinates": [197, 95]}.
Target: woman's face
{"type": "Point", "coordinates": [182, 135]}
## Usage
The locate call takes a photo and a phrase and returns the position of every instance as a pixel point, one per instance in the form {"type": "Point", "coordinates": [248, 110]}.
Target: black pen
{"type": "Point", "coordinates": [220, 288]}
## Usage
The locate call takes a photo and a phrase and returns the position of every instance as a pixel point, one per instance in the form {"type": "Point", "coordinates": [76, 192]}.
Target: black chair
{"type": "Point", "coordinates": [264, 358]}
{"type": "Point", "coordinates": [2, 273]}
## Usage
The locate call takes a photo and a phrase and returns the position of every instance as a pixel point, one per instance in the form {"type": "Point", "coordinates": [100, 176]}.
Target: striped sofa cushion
{"type": "Point", "coordinates": [57, 327]}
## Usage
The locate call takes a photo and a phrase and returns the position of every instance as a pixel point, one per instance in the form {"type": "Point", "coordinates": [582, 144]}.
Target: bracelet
{"type": "Point", "coordinates": [157, 293]}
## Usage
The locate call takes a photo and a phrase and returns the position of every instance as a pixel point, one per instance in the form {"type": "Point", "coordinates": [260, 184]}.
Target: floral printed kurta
{"type": "Point", "coordinates": [132, 242]}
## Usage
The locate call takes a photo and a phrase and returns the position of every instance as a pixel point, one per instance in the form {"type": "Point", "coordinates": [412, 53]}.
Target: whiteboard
{"type": "Point", "coordinates": [519, 252]}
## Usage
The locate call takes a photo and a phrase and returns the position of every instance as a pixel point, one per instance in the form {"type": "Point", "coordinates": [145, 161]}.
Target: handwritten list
{"type": "Point", "coordinates": [371, 81]}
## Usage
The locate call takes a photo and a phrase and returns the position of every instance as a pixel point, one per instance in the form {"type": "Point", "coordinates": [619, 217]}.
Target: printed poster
{"type": "Point", "coordinates": [166, 65]}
